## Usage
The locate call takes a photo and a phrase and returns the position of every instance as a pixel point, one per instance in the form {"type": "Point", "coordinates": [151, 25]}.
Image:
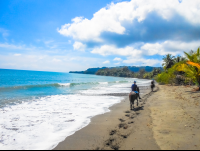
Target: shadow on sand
{"type": "Point", "coordinates": [138, 108]}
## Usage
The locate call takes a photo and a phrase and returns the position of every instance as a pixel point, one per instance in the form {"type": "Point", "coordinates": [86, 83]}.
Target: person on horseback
{"type": "Point", "coordinates": [152, 84]}
{"type": "Point", "coordinates": [135, 89]}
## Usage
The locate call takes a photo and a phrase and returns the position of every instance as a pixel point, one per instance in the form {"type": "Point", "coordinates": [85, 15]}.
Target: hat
{"type": "Point", "coordinates": [134, 81]}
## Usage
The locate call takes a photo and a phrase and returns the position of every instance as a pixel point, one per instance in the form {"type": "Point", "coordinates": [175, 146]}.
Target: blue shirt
{"type": "Point", "coordinates": [134, 87]}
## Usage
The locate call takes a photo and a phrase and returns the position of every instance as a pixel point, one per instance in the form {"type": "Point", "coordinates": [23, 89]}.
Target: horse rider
{"type": "Point", "coordinates": [153, 82]}
{"type": "Point", "coordinates": [135, 89]}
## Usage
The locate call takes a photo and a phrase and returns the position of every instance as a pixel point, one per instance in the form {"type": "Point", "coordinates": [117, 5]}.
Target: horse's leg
{"type": "Point", "coordinates": [131, 105]}
{"type": "Point", "coordinates": [131, 97]}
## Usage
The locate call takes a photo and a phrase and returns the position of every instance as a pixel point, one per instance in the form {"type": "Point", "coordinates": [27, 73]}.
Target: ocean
{"type": "Point", "coordinates": [40, 109]}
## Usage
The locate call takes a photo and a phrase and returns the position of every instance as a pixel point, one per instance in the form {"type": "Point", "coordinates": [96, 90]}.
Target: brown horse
{"type": "Point", "coordinates": [133, 97]}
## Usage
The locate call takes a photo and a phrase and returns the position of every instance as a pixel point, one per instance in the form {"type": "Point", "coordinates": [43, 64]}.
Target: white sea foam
{"type": "Point", "coordinates": [103, 82]}
{"type": "Point", "coordinates": [64, 84]}
{"type": "Point", "coordinates": [117, 88]}
{"type": "Point", "coordinates": [43, 123]}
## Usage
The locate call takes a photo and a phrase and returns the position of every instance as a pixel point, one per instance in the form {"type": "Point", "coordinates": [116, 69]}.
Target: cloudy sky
{"type": "Point", "coordinates": [67, 35]}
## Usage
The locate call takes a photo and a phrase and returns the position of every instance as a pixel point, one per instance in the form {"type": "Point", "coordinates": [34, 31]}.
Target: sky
{"type": "Point", "coordinates": [73, 35]}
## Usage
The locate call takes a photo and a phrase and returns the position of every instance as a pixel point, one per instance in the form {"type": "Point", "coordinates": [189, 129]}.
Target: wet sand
{"type": "Point", "coordinates": [111, 130]}
{"type": "Point", "coordinates": [168, 118]}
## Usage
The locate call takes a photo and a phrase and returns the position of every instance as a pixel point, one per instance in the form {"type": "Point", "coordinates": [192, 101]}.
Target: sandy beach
{"type": "Point", "coordinates": [165, 119]}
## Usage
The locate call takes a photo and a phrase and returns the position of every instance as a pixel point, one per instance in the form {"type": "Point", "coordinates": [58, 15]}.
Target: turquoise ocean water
{"type": "Point", "coordinates": [40, 109]}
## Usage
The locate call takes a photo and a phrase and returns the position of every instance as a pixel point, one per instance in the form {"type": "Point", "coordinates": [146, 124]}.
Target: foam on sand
{"type": "Point", "coordinates": [43, 123]}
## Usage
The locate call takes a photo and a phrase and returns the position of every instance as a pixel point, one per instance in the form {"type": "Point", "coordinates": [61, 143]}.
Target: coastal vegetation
{"type": "Point", "coordinates": [181, 70]}
{"type": "Point", "coordinates": [134, 69]}
{"type": "Point", "coordinates": [126, 72]}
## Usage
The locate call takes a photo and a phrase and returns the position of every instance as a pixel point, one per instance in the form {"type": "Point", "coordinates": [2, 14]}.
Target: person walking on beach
{"type": "Point", "coordinates": [135, 89]}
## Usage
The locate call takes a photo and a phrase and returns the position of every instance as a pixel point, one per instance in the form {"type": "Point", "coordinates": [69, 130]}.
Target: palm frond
{"type": "Point", "coordinates": [194, 64]}
{"type": "Point", "coordinates": [188, 56]}
{"type": "Point", "coordinates": [198, 52]}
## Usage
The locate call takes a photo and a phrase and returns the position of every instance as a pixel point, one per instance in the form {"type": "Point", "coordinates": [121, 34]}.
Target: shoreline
{"type": "Point", "coordinates": [167, 119]}
{"type": "Point", "coordinates": [115, 76]}
{"type": "Point", "coordinates": [94, 135]}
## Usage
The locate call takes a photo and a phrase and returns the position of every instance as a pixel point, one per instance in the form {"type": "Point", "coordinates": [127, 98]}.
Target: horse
{"type": "Point", "coordinates": [133, 97]}
{"type": "Point", "coordinates": [152, 86]}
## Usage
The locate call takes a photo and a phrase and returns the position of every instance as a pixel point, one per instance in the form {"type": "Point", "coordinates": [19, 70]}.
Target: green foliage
{"type": "Point", "coordinates": [117, 72]}
{"type": "Point", "coordinates": [166, 77]}
{"type": "Point", "coordinates": [179, 59]}
{"type": "Point", "coordinates": [125, 72]}
{"type": "Point", "coordinates": [182, 68]}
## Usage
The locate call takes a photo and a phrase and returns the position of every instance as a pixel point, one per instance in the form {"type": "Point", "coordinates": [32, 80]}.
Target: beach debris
{"type": "Point", "coordinates": [70, 121]}
{"type": "Point", "coordinates": [12, 129]}
{"type": "Point", "coordinates": [125, 127]}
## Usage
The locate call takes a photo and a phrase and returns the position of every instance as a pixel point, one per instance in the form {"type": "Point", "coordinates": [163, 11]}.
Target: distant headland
{"type": "Point", "coordinates": [124, 71]}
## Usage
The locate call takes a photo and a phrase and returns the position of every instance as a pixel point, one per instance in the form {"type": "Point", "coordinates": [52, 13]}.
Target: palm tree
{"type": "Point", "coordinates": [191, 66]}
{"type": "Point", "coordinates": [168, 61]}
{"type": "Point", "coordinates": [179, 59]}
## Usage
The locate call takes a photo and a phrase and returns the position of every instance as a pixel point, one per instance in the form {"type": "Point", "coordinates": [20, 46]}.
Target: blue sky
{"type": "Point", "coordinates": [67, 35]}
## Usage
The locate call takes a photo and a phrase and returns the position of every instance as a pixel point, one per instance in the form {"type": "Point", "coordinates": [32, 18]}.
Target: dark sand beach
{"type": "Point", "coordinates": [165, 119]}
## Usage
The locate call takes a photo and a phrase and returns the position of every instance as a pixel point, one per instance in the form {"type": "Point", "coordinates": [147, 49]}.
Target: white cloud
{"type": "Point", "coordinates": [142, 61]}
{"type": "Point", "coordinates": [79, 46]}
{"type": "Point", "coordinates": [172, 47]}
{"type": "Point", "coordinates": [106, 62]}
{"type": "Point", "coordinates": [111, 19]}
{"type": "Point", "coordinates": [77, 19]}
{"type": "Point", "coordinates": [148, 49]}
{"type": "Point", "coordinates": [17, 55]}
{"type": "Point", "coordinates": [106, 50]}
{"type": "Point", "coordinates": [98, 33]}
{"type": "Point", "coordinates": [117, 59]}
